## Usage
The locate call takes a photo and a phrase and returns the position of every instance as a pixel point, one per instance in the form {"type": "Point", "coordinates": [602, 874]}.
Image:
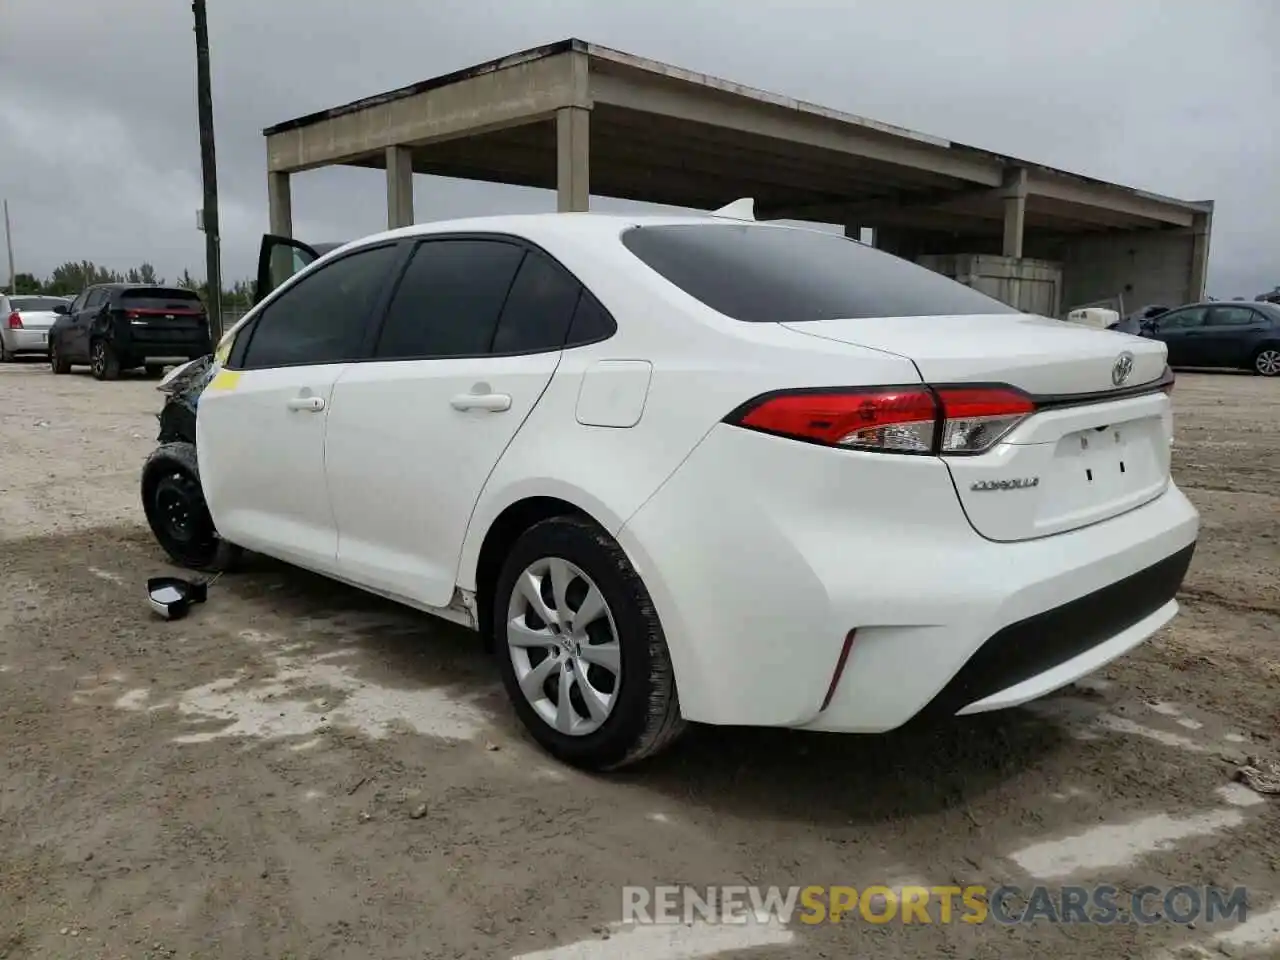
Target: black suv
{"type": "Point", "coordinates": [119, 326]}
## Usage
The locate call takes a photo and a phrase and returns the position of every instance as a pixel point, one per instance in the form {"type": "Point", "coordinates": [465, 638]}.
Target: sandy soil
{"type": "Point", "coordinates": [300, 771]}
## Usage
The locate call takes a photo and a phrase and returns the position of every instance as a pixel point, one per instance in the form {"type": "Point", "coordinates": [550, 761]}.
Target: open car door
{"type": "Point", "coordinates": [279, 258]}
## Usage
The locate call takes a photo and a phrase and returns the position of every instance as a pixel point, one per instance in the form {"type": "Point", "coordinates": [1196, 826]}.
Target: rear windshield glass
{"type": "Point", "coordinates": [767, 274]}
{"type": "Point", "coordinates": [34, 304]}
{"type": "Point", "coordinates": [160, 298]}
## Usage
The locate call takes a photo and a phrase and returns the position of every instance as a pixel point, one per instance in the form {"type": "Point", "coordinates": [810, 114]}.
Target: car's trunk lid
{"type": "Point", "coordinates": [37, 319]}
{"type": "Point", "coordinates": [1096, 447]}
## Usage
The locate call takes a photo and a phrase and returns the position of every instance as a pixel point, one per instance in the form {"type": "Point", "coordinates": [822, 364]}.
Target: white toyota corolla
{"type": "Point", "coordinates": [692, 469]}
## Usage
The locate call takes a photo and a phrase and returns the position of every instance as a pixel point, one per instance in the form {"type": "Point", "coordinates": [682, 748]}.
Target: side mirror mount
{"type": "Point", "coordinates": [62, 308]}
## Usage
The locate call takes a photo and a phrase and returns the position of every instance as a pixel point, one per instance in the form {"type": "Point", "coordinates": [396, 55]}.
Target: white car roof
{"type": "Point", "coordinates": [565, 226]}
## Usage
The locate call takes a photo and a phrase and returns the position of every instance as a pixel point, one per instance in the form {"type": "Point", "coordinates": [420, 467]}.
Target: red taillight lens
{"type": "Point", "coordinates": [900, 420]}
{"type": "Point", "coordinates": [976, 418]}
{"type": "Point", "coordinates": [15, 321]}
{"type": "Point", "coordinates": [929, 420]}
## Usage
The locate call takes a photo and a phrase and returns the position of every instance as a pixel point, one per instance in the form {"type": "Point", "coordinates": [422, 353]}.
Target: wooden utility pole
{"type": "Point", "coordinates": [8, 237]}
{"type": "Point", "coordinates": [208, 169]}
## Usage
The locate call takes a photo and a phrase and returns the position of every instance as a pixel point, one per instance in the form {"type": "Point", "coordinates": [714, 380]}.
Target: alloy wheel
{"type": "Point", "coordinates": [1267, 362]}
{"type": "Point", "coordinates": [563, 644]}
{"type": "Point", "coordinates": [99, 359]}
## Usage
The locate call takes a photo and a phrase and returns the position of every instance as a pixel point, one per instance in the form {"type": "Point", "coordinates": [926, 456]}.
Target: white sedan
{"type": "Point", "coordinates": [693, 469]}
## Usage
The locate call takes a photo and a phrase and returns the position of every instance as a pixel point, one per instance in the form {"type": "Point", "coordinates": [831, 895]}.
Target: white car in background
{"type": "Point", "coordinates": [24, 324]}
{"type": "Point", "coordinates": [693, 469]}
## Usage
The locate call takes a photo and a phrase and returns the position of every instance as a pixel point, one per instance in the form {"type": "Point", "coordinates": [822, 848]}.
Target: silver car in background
{"type": "Point", "coordinates": [24, 324]}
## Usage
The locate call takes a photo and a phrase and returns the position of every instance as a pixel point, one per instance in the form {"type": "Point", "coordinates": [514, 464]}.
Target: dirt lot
{"type": "Point", "coordinates": [298, 771]}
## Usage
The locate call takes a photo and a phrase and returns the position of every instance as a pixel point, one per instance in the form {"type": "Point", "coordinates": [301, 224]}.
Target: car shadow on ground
{"type": "Point", "coordinates": [820, 779]}
{"type": "Point", "coordinates": [748, 772]}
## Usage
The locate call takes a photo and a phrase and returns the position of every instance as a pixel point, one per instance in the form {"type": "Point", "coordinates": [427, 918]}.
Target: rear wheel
{"type": "Point", "coordinates": [581, 649]}
{"type": "Point", "coordinates": [103, 361]}
{"type": "Point", "coordinates": [154, 370]}
{"type": "Point", "coordinates": [177, 513]}
{"type": "Point", "coordinates": [1267, 361]}
{"type": "Point", "coordinates": [57, 361]}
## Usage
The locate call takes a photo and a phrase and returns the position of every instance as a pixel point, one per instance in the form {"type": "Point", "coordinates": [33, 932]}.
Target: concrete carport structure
{"type": "Point", "coordinates": [584, 119]}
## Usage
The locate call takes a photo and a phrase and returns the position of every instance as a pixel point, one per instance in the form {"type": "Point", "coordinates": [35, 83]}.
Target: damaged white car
{"type": "Point", "coordinates": [689, 469]}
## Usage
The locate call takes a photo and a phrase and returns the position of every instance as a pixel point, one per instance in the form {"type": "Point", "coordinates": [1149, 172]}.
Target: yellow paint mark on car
{"type": "Point", "coordinates": [225, 380]}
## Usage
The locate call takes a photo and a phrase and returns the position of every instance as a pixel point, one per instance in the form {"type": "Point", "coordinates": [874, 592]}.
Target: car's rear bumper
{"type": "Point", "coordinates": [762, 554]}
{"type": "Point", "coordinates": [25, 341]}
{"type": "Point", "coordinates": [175, 345]}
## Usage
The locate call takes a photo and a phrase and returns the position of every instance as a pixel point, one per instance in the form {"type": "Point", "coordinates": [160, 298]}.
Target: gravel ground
{"type": "Point", "coordinates": [301, 771]}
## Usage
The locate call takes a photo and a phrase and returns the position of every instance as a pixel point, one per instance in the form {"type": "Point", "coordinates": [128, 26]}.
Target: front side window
{"type": "Point", "coordinates": [323, 318]}
{"type": "Point", "coordinates": [1182, 319]}
{"type": "Point", "coordinates": [769, 274]}
{"type": "Point", "coordinates": [95, 298]}
{"type": "Point", "coordinates": [448, 301]}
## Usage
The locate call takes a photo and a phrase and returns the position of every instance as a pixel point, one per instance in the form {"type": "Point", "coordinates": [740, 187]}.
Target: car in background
{"type": "Point", "coordinates": [119, 326]}
{"type": "Point", "coordinates": [1241, 335]}
{"type": "Point", "coordinates": [25, 320]}
{"type": "Point", "coordinates": [690, 469]}
{"type": "Point", "coordinates": [1132, 322]}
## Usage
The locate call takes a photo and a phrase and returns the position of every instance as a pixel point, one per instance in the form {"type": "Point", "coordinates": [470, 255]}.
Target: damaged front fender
{"type": "Point", "coordinates": [183, 387]}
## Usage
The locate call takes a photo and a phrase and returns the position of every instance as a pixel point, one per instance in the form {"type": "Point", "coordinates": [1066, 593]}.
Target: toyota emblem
{"type": "Point", "coordinates": [1121, 369]}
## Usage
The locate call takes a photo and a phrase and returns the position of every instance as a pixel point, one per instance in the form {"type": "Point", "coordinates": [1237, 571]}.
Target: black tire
{"type": "Point", "coordinates": [646, 715]}
{"type": "Point", "coordinates": [154, 370]}
{"type": "Point", "coordinates": [57, 362]}
{"type": "Point", "coordinates": [103, 361]}
{"type": "Point", "coordinates": [1265, 360]}
{"type": "Point", "coordinates": [176, 511]}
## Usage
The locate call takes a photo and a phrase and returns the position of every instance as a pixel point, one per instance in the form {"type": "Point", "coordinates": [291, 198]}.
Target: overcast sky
{"type": "Point", "coordinates": [99, 151]}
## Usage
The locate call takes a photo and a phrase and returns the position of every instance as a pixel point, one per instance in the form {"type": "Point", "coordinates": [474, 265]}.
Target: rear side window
{"type": "Point", "coordinates": [323, 318]}
{"type": "Point", "coordinates": [766, 274]}
{"type": "Point", "coordinates": [539, 307]}
{"type": "Point", "coordinates": [449, 300]}
{"type": "Point", "coordinates": [161, 298]}
{"type": "Point", "coordinates": [591, 322]}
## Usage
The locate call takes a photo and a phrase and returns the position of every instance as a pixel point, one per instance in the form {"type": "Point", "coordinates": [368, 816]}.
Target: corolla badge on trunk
{"type": "Point", "coordinates": [1122, 368]}
{"type": "Point", "coordinates": [1019, 483]}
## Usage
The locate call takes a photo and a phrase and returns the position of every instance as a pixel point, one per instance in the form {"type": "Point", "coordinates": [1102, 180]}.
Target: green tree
{"type": "Point", "coordinates": [27, 283]}
{"type": "Point", "coordinates": [72, 277]}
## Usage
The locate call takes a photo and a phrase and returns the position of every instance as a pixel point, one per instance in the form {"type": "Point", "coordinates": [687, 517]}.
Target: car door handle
{"type": "Point", "coordinates": [493, 402]}
{"type": "Point", "coordinates": [310, 404]}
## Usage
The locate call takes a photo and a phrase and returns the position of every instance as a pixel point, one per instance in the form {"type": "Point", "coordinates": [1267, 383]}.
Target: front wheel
{"type": "Point", "coordinates": [177, 513]}
{"type": "Point", "coordinates": [581, 650]}
{"type": "Point", "coordinates": [1267, 361]}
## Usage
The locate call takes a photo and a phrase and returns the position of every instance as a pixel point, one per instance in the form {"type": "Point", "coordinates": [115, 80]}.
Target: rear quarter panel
{"type": "Point", "coordinates": [703, 367]}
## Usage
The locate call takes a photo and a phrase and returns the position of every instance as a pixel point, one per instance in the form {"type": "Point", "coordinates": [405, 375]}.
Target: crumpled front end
{"type": "Point", "coordinates": [183, 388]}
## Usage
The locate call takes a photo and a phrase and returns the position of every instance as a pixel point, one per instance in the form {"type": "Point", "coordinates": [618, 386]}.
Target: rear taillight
{"type": "Point", "coordinates": [975, 419]}
{"type": "Point", "coordinates": [920, 420]}
{"type": "Point", "coordinates": [15, 321]}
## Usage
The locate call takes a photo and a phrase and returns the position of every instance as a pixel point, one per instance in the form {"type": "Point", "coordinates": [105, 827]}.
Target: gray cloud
{"type": "Point", "coordinates": [99, 155]}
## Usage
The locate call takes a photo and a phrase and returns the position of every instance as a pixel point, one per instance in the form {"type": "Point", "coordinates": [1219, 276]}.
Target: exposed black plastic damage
{"type": "Point", "coordinates": [178, 416]}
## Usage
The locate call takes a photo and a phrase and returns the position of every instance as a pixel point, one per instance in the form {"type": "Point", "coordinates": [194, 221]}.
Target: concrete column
{"type": "Point", "coordinates": [573, 160]}
{"type": "Point", "coordinates": [399, 187]}
{"type": "Point", "coordinates": [1201, 224]}
{"type": "Point", "coordinates": [279, 205]}
{"type": "Point", "coordinates": [1015, 210]}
